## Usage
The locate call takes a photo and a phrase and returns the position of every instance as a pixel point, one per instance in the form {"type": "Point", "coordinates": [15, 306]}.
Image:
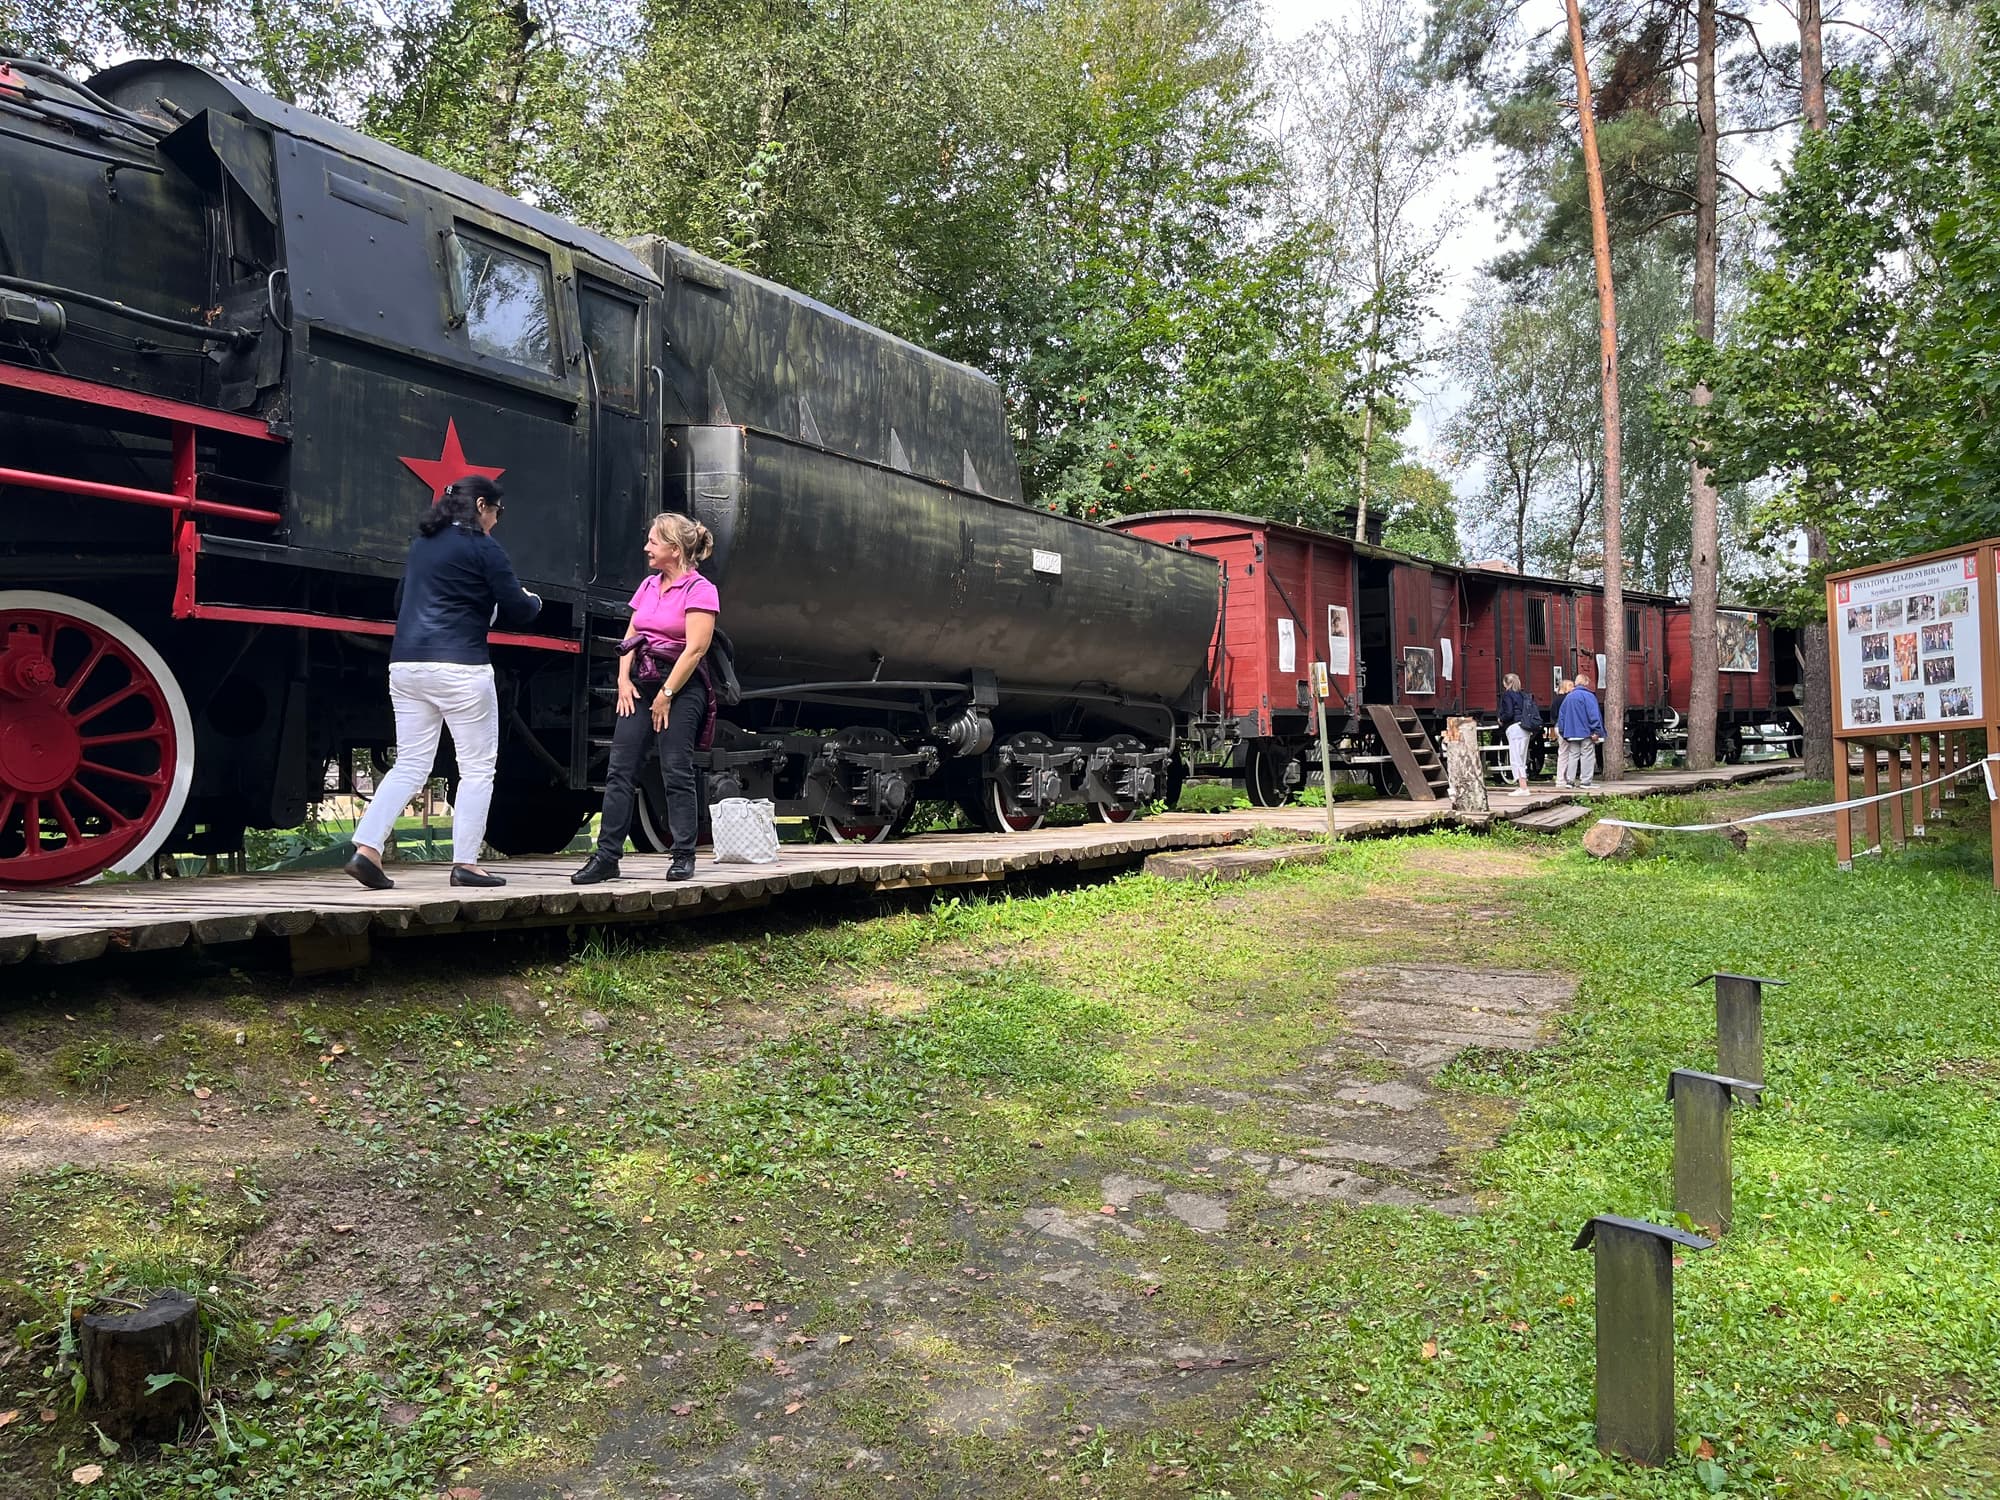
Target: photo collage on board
{"type": "Point", "coordinates": [1909, 643]}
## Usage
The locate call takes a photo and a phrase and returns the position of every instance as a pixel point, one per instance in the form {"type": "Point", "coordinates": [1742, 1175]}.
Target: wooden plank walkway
{"type": "Point", "coordinates": [331, 921]}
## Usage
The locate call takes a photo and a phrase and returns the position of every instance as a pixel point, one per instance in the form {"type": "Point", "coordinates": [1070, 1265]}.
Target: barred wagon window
{"type": "Point", "coordinates": [502, 298]}
{"type": "Point", "coordinates": [1538, 622]}
{"type": "Point", "coordinates": [1631, 630]}
{"type": "Point", "coordinates": [611, 332]}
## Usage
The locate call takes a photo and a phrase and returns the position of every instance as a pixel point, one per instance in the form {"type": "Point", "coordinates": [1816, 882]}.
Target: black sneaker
{"type": "Point", "coordinates": [682, 867]}
{"type": "Point", "coordinates": [368, 873]}
{"type": "Point", "coordinates": [597, 867]}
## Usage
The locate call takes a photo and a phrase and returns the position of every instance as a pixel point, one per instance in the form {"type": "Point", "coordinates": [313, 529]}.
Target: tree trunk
{"type": "Point", "coordinates": [1464, 767]}
{"type": "Point", "coordinates": [120, 1352]}
{"type": "Point", "coordinates": [1816, 684]}
{"type": "Point", "coordinates": [1812, 66]}
{"type": "Point", "coordinates": [1613, 635]}
{"type": "Point", "coordinates": [1703, 560]}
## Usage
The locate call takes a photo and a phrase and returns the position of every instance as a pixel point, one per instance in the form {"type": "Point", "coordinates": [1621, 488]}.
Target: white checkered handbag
{"type": "Point", "coordinates": [745, 832]}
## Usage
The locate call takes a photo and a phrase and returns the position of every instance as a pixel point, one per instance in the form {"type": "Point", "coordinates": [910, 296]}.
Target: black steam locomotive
{"type": "Point", "coordinates": [242, 348]}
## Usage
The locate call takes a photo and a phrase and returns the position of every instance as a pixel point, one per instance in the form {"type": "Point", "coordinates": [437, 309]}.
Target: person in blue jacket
{"type": "Point", "coordinates": [1580, 724]}
{"type": "Point", "coordinates": [457, 583]}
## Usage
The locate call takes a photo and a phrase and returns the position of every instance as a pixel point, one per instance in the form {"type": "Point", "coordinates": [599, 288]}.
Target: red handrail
{"type": "Point", "coordinates": [91, 489]}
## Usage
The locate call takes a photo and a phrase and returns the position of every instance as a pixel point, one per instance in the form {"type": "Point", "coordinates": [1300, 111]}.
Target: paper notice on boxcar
{"type": "Point", "coordinates": [1288, 648]}
{"type": "Point", "coordinates": [1339, 659]}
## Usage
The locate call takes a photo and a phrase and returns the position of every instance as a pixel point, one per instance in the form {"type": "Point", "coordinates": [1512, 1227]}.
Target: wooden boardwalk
{"type": "Point", "coordinates": [330, 922]}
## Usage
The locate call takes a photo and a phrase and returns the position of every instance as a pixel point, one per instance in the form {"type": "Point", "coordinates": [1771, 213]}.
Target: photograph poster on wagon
{"type": "Point", "coordinates": [1909, 645]}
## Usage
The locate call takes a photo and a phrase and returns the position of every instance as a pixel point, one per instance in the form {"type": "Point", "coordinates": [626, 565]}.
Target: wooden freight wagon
{"type": "Point", "coordinates": [1389, 627]}
{"type": "Point", "coordinates": [1647, 716]}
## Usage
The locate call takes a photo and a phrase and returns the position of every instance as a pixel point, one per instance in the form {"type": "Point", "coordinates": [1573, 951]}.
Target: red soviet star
{"type": "Point", "coordinates": [448, 466]}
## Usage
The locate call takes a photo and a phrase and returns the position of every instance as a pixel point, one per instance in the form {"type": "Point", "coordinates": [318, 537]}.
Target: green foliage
{"type": "Point", "coordinates": [1859, 377]}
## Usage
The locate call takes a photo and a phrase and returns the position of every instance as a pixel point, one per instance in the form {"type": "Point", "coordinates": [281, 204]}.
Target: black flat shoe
{"type": "Point", "coordinates": [462, 876]}
{"type": "Point", "coordinates": [682, 867]}
{"type": "Point", "coordinates": [369, 874]}
{"type": "Point", "coordinates": [597, 867]}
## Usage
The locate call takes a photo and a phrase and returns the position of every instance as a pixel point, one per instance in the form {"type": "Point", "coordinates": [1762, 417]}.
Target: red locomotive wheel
{"type": "Point", "coordinates": [1109, 813]}
{"type": "Point", "coordinates": [96, 746]}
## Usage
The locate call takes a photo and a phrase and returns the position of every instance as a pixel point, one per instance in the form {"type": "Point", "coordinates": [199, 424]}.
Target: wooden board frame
{"type": "Point", "coordinates": [1943, 737]}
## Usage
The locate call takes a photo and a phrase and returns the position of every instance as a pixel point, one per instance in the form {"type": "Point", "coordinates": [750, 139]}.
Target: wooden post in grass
{"type": "Point", "coordinates": [1871, 786]}
{"type": "Point", "coordinates": [1704, 1158]}
{"type": "Point", "coordinates": [1322, 689]}
{"type": "Point", "coordinates": [125, 1354]}
{"type": "Point", "coordinates": [1896, 824]}
{"type": "Point", "coordinates": [1635, 1333]}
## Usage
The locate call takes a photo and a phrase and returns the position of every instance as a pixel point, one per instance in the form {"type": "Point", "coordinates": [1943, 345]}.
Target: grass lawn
{"type": "Point", "coordinates": [1019, 1197]}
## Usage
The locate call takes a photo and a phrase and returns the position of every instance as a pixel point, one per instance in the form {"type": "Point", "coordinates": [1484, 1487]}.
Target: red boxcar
{"type": "Point", "coordinates": [1757, 688]}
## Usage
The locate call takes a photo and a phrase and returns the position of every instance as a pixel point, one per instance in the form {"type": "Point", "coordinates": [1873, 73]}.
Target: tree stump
{"type": "Point", "coordinates": [1463, 765]}
{"type": "Point", "coordinates": [1606, 842]}
{"type": "Point", "coordinates": [121, 1351]}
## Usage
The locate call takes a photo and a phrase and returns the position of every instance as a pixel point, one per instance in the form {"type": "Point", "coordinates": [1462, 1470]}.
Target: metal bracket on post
{"type": "Point", "coordinates": [1704, 1165]}
{"type": "Point", "coordinates": [1635, 1333]}
{"type": "Point", "coordinates": [1739, 1024]}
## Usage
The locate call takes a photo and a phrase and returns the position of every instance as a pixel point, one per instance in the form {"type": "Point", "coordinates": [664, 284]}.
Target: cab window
{"type": "Point", "coordinates": [501, 297]}
{"type": "Point", "coordinates": [611, 333]}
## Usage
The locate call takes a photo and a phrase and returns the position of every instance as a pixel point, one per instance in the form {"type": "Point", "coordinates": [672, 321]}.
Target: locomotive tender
{"type": "Point", "coordinates": [243, 347]}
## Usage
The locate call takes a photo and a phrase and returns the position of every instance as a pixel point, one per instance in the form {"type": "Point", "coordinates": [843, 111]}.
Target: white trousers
{"type": "Point", "coordinates": [428, 696]}
{"type": "Point", "coordinates": [1576, 763]}
{"type": "Point", "coordinates": [1517, 753]}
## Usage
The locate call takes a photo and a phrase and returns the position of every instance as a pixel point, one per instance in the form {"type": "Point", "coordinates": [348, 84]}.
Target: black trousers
{"type": "Point", "coordinates": [629, 739]}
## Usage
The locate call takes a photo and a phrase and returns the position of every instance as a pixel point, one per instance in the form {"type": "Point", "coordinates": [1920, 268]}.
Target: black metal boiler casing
{"type": "Point", "coordinates": [866, 507]}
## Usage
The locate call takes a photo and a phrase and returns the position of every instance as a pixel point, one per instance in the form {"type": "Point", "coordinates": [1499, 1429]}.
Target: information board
{"type": "Point", "coordinates": [1736, 641]}
{"type": "Point", "coordinates": [1909, 647]}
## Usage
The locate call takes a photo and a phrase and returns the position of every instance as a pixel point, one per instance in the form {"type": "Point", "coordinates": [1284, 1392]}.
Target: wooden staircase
{"type": "Point", "coordinates": [1416, 757]}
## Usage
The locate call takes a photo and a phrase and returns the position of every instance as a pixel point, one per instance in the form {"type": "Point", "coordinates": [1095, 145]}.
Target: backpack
{"type": "Point", "coordinates": [1530, 717]}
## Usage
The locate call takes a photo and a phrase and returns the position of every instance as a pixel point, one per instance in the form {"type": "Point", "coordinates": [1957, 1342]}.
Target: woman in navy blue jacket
{"type": "Point", "coordinates": [456, 584]}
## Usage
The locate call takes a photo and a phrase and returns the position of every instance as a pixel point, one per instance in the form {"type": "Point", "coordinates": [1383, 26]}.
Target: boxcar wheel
{"type": "Point", "coordinates": [96, 744]}
{"type": "Point", "coordinates": [1729, 745]}
{"type": "Point", "coordinates": [1264, 776]}
{"type": "Point", "coordinates": [1385, 778]}
{"type": "Point", "coordinates": [1645, 748]}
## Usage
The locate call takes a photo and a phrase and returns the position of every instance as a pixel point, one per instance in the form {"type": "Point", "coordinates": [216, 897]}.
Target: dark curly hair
{"type": "Point", "coordinates": [459, 504]}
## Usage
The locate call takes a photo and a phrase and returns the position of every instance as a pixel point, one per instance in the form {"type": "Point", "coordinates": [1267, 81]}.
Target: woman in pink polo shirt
{"type": "Point", "coordinates": [664, 693]}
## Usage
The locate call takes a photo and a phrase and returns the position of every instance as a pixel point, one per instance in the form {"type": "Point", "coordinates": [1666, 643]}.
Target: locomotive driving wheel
{"type": "Point", "coordinates": [96, 744]}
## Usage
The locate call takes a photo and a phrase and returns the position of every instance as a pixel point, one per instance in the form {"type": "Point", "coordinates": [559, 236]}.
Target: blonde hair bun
{"type": "Point", "coordinates": [695, 540]}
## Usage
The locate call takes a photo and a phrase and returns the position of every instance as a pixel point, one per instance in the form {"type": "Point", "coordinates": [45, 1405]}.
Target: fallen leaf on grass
{"type": "Point", "coordinates": [1704, 1449]}
{"type": "Point", "coordinates": [1107, 1209]}
{"type": "Point", "coordinates": [343, 1229]}
{"type": "Point", "coordinates": [88, 1474]}
{"type": "Point", "coordinates": [8, 1418]}
{"type": "Point", "coordinates": [1420, 1455]}
{"type": "Point", "coordinates": [1882, 1442]}
{"type": "Point", "coordinates": [464, 1492]}
{"type": "Point", "coordinates": [1840, 1419]}
{"type": "Point", "coordinates": [204, 1093]}
{"type": "Point", "coordinates": [753, 1307]}
{"type": "Point", "coordinates": [48, 1414]}
{"type": "Point", "coordinates": [1430, 1349]}
{"type": "Point", "coordinates": [119, 1109]}
{"type": "Point", "coordinates": [792, 1406]}
{"type": "Point", "coordinates": [683, 1409]}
